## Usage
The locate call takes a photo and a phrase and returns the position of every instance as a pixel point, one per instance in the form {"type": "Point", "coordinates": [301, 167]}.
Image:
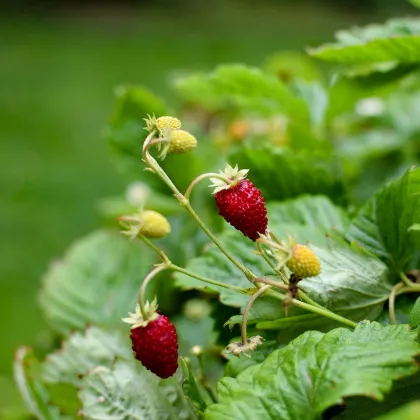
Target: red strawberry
{"type": "Point", "coordinates": [154, 341]}
{"type": "Point", "coordinates": [240, 203]}
{"type": "Point", "coordinates": [156, 346]}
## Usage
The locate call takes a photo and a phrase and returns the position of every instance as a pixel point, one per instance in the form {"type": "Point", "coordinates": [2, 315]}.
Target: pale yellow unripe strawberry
{"type": "Point", "coordinates": [153, 224]}
{"type": "Point", "coordinates": [303, 262]}
{"type": "Point", "coordinates": [167, 123]}
{"type": "Point", "coordinates": [181, 141]}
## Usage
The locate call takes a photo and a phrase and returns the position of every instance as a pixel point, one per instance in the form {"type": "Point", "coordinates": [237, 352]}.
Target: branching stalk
{"type": "Point", "coordinates": [152, 163]}
{"type": "Point", "coordinates": [310, 308]}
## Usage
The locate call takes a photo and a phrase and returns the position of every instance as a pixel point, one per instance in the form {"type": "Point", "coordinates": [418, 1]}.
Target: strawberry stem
{"type": "Point", "coordinates": [200, 178]}
{"type": "Point", "coordinates": [315, 308]}
{"type": "Point", "coordinates": [310, 308]}
{"type": "Point", "coordinates": [158, 251]}
{"type": "Point", "coordinates": [391, 303]}
{"type": "Point", "coordinates": [143, 287]}
{"type": "Point", "coordinates": [207, 280]}
{"type": "Point", "coordinates": [248, 307]}
{"type": "Point", "coordinates": [170, 266]}
{"type": "Point", "coordinates": [152, 163]}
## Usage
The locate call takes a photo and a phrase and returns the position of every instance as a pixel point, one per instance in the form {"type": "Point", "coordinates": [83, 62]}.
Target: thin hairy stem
{"type": "Point", "coordinates": [143, 287]}
{"type": "Point", "coordinates": [391, 303]}
{"type": "Point", "coordinates": [208, 281]}
{"type": "Point", "coordinates": [200, 178]}
{"type": "Point", "coordinates": [248, 307]}
{"type": "Point", "coordinates": [158, 251]}
{"type": "Point", "coordinates": [310, 308]}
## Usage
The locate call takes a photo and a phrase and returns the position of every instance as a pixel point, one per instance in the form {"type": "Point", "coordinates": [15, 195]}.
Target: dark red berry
{"type": "Point", "coordinates": [156, 346]}
{"type": "Point", "coordinates": [242, 205]}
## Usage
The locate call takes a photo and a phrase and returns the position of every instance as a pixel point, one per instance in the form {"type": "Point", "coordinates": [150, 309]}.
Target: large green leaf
{"type": "Point", "coordinates": [96, 282]}
{"type": "Point", "coordinates": [397, 40]}
{"type": "Point", "coordinates": [317, 371]}
{"type": "Point", "coordinates": [82, 352]}
{"type": "Point", "coordinates": [351, 281]}
{"type": "Point", "coordinates": [383, 224]}
{"type": "Point", "coordinates": [129, 391]}
{"type": "Point", "coordinates": [244, 87]}
{"type": "Point", "coordinates": [308, 218]}
{"type": "Point", "coordinates": [33, 392]}
{"type": "Point", "coordinates": [364, 408]}
{"type": "Point", "coordinates": [282, 173]}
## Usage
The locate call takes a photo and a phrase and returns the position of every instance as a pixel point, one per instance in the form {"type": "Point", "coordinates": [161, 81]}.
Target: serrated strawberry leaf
{"type": "Point", "coordinates": [352, 282]}
{"type": "Point", "coordinates": [34, 393]}
{"type": "Point", "coordinates": [281, 173]}
{"type": "Point", "coordinates": [316, 371]}
{"type": "Point", "coordinates": [128, 391]}
{"type": "Point", "coordinates": [383, 224]}
{"type": "Point", "coordinates": [81, 352]}
{"type": "Point", "coordinates": [398, 40]}
{"type": "Point", "coordinates": [96, 282]}
{"type": "Point", "coordinates": [364, 408]}
{"type": "Point", "coordinates": [415, 315]}
{"type": "Point", "coordinates": [243, 87]}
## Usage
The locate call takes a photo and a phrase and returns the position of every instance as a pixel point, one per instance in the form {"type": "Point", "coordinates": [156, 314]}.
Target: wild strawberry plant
{"type": "Point", "coordinates": [303, 305]}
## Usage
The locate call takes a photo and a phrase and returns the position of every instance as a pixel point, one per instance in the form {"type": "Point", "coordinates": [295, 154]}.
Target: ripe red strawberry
{"type": "Point", "coordinates": [154, 341]}
{"type": "Point", "coordinates": [240, 203]}
{"type": "Point", "coordinates": [156, 346]}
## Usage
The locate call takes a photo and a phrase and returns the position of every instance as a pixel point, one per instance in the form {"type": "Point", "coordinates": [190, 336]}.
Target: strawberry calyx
{"type": "Point", "coordinates": [228, 178]}
{"type": "Point", "coordinates": [137, 319]}
{"type": "Point", "coordinates": [251, 344]}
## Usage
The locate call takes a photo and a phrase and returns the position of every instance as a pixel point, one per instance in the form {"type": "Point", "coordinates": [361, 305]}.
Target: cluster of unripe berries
{"type": "Point", "coordinates": [240, 203]}
{"type": "Point", "coordinates": [174, 139]}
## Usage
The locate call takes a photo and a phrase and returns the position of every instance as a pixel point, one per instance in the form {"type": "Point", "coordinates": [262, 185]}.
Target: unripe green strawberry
{"type": "Point", "coordinates": [153, 224]}
{"type": "Point", "coordinates": [165, 123]}
{"type": "Point", "coordinates": [181, 141]}
{"type": "Point", "coordinates": [303, 262]}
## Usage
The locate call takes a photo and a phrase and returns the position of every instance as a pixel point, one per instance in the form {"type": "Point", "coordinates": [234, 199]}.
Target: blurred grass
{"type": "Point", "coordinates": [56, 81]}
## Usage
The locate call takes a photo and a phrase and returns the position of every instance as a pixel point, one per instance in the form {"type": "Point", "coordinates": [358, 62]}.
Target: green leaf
{"type": "Point", "coordinates": [96, 282]}
{"type": "Point", "coordinates": [376, 75]}
{"type": "Point", "coordinates": [415, 315]}
{"type": "Point", "coordinates": [33, 392]}
{"type": "Point", "coordinates": [308, 218]}
{"type": "Point", "coordinates": [351, 282]}
{"type": "Point", "coordinates": [382, 225]}
{"type": "Point", "coordinates": [81, 353]}
{"type": "Point", "coordinates": [316, 371]}
{"type": "Point", "coordinates": [125, 131]}
{"type": "Point", "coordinates": [410, 411]}
{"type": "Point", "coordinates": [282, 173]}
{"type": "Point", "coordinates": [129, 391]}
{"type": "Point", "coordinates": [362, 408]}
{"type": "Point", "coordinates": [242, 87]}
{"type": "Point", "coordinates": [397, 40]}
{"type": "Point", "coordinates": [415, 3]}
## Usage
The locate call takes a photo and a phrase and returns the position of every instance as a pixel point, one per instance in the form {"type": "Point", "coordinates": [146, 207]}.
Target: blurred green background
{"type": "Point", "coordinates": [59, 64]}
